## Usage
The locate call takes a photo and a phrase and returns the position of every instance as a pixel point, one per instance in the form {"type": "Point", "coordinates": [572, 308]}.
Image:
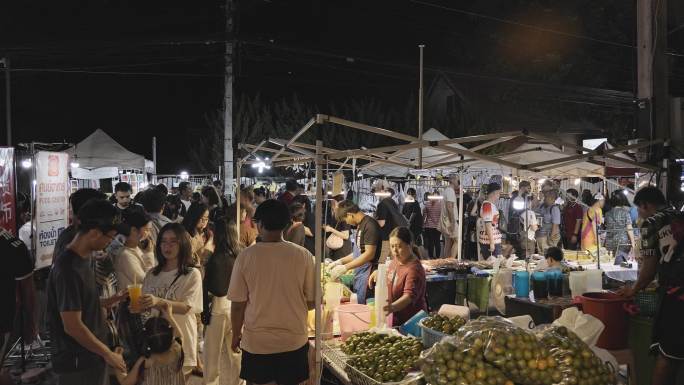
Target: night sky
{"type": "Point", "coordinates": [160, 62]}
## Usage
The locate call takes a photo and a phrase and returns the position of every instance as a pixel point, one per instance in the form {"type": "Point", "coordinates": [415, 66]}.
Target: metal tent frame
{"type": "Point", "coordinates": [291, 151]}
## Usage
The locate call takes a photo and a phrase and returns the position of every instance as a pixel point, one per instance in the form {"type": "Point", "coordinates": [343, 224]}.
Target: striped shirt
{"type": "Point", "coordinates": [433, 209]}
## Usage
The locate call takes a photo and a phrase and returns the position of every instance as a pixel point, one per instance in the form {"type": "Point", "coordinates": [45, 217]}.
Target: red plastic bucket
{"type": "Point", "coordinates": [608, 307]}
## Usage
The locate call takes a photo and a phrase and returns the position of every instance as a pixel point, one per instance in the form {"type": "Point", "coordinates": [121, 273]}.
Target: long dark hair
{"type": "Point", "coordinates": [226, 238]}
{"type": "Point", "coordinates": [185, 262]}
{"type": "Point", "coordinates": [212, 195]}
{"type": "Point", "coordinates": [405, 235]}
{"type": "Point", "coordinates": [193, 216]}
{"type": "Point", "coordinates": [157, 339]}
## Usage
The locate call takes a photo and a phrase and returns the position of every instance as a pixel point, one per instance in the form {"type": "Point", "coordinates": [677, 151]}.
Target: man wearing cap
{"type": "Point", "coordinates": [272, 287]}
{"type": "Point", "coordinates": [74, 308]}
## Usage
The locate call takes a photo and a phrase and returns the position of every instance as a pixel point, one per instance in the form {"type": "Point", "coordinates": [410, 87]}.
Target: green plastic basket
{"type": "Point", "coordinates": [647, 302]}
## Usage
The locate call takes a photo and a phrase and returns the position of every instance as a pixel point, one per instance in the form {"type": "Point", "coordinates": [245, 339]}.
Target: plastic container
{"type": "Point", "coordinates": [429, 337]}
{"type": "Point", "coordinates": [578, 283]}
{"type": "Point", "coordinates": [640, 330]}
{"type": "Point", "coordinates": [521, 284]}
{"type": "Point", "coordinates": [608, 308]}
{"type": "Point", "coordinates": [555, 282]}
{"type": "Point", "coordinates": [353, 319]}
{"type": "Point", "coordinates": [594, 280]}
{"type": "Point", "coordinates": [411, 326]}
{"type": "Point", "coordinates": [647, 301]}
{"type": "Point", "coordinates": [540, 285]}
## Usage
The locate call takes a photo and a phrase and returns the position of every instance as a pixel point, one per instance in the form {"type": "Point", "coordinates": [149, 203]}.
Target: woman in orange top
{"type": "Point", "coordinates": [591, 222]}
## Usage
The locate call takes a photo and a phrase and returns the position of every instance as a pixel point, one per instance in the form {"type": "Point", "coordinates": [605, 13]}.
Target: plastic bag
{"type": "Point", "coordinates": [516, 352]}
{"type": "Point", "coordinates": [587, 327]}
{"type": "Point", "coordinates": [577, 363]}
{"type": "Point", "coordinates": [453, 361]}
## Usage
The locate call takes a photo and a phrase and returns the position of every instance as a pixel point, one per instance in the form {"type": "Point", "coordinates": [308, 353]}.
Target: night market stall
{"type": "Point", "coordinates": [363, 355]}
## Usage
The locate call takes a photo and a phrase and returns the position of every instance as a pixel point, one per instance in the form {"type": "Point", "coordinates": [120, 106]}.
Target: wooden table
{"type": "Point", "coordinates": [542, 311]}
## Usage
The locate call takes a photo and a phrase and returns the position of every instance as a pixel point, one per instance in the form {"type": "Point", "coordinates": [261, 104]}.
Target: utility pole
{"type": "Point", "coordinates": [652, 74]}
{"type": "Point", "coordinates": [228, 102]}
{"type": "Point", "coordinates": [8, 101]}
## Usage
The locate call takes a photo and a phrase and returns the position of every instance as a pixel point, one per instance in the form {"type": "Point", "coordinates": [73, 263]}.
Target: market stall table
{"type": "Point", "coordinates": [542, 311]}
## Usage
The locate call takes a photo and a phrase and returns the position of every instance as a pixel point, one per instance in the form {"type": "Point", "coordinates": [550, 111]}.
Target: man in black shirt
{"type": "Point", "coordinates": [662, 252]}
{"type": "Point", "coordinates": [18, 268]}
{"type": "Point", "coordinates": [124, 202]}
{"type": "Point", "coordinates": [74, 309]}
{"type": "Point", "coordinates": [388, 216]}
{"type": "Point", "coordinates": [367, 250]}
{"type": "Point", "coordinates": [76, 200]}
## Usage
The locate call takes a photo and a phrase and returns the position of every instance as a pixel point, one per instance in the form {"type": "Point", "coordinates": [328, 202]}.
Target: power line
{"type": "Point", "coordinates": [516, 23]}
{"type": "Point", "coordinates": [171, 74]}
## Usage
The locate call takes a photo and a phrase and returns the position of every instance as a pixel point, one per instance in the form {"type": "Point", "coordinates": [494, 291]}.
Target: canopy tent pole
{"type": "Point", "coordinates": [318, 251]}
{"type": "Point", "coordinates": [420, 107]}
{"type": "Point", "coordinates": [460, 213]}
{"type": "Point", "coordinates": [238, 192]}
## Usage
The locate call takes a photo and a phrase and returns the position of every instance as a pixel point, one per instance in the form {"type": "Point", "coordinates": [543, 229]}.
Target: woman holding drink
{"type": "Point", "coordinates": [176, 282]}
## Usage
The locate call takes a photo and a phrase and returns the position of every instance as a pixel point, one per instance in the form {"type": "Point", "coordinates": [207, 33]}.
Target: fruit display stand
{"type": "Point", "coordinates": [369, 358]}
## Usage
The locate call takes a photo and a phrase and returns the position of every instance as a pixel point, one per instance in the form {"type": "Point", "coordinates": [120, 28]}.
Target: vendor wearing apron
{"type": "Point", "coordinates": [366, 251]}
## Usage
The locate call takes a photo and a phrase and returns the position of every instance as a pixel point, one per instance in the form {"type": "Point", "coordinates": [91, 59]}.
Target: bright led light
{"type": "Point", "coordinates": [74, 164]}
{"type": "Point", "coordinates": [541, 181]}
{"type": "Point", "coordinates": [34, 183]}
{"type": "Point", "coordinates": [578, 181]}
{"type": "Point", "coordinates": [518, 203]}
{"type": "Point", "coordinates": [435, 197]}
{"type": "Point", "coordinates": [382, 194]}
{"type": "Point", "coordinates": [184, 175]}
{"type": "Point", "coordinates": [26, 163]}
{"type": "Point", "coordinates": [625, 192]}
{"type": "Point", "coordinates": [261, 165]}
{"type": "Point", "coordinates": [409, 199]}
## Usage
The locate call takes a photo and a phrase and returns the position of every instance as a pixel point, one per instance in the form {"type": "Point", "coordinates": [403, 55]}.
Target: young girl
{"type": "Point", "coordinates": [162, 360]}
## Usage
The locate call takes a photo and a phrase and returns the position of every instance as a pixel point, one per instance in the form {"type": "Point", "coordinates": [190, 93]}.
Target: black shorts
{"type": "Point", "coordinates": [288, 368]}
{"type": "Point", "coordinates": [668, 328]}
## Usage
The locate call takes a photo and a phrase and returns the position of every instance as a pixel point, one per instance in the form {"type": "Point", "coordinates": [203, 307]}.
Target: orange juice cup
{"type": "Point", "coordinates": [134, 293]}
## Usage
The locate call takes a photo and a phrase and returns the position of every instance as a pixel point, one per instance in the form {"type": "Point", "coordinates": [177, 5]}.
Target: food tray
{"type": "Point", "coordinates": [430, 336]}
{"type": "Point", "coordinates": [357, 377]}
{"type": "Point", "coordinates": [647, 302]}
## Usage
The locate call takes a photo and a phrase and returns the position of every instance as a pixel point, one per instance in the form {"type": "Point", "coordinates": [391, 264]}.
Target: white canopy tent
{"type": "Point", "coordinates": [99, 157]}
{"type": "Point", "coordinates": [409, 157]}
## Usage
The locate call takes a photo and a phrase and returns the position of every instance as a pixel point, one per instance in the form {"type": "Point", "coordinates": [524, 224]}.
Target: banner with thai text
{"type": "Point", "coordinates": [8, 212]}
{"type": "Point", "coordinates": [52, 203]}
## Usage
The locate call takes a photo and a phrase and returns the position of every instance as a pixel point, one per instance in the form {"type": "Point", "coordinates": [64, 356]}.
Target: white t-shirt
{"type": "Point", "coordinates": [129, 266]}
{"type": "Point", "coordinates": [451, 197]}
{"type": "Point", "coordinates": [533, 223]}
{"type": "Point", "coordinates": [186, 289]}
{"type": "Point", "coordinates": [276, 279]}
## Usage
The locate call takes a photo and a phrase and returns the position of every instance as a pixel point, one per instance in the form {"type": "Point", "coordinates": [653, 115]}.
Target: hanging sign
{"type": "Point", "coordinates": [8, 210]}
{"type": "Point", "coordinates": [52, 204]}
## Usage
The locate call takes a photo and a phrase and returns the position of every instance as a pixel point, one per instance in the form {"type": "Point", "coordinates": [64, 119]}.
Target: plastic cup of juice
{"type": "Point", "coordinates": [134, 293]}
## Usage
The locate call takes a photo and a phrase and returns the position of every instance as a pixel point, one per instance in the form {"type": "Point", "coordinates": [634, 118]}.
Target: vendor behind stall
{"type": "Point", "coordinates": [662, 251]}
{"type": "Point", "coordinates": [366, 251]}
{"type": "Point", "coordinates": [406, 282]}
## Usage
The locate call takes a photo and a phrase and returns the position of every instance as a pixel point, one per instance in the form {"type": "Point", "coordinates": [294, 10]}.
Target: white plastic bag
{"type": "Point", "coordinates": [587, 327]}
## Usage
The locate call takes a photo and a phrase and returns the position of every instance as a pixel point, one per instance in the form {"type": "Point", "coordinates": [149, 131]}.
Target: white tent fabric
{"type": "Point", "coordinates": [536, 152]}
{"type": "Point", "coordinates": [430, 155]}
{"type": "Point", "coordinates": [99, 150]}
